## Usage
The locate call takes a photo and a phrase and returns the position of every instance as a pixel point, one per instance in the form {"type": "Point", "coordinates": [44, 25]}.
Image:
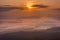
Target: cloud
{"type": "Point", "coordinates": [55, 14]}
{"type": "Point", "coordinates": [54, 29]}
{"type": "Point", "coordinates": [8, 8]}
{"type": "Point", "coordinates": [40, 6]}
{"type": "Point", "coordinates": [57, 9]}
{"type": "Point", "coordinates": [53, 34]}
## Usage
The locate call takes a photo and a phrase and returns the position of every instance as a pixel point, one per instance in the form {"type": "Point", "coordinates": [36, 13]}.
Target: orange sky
{"type": "Point", "coordinates": [54, 3]}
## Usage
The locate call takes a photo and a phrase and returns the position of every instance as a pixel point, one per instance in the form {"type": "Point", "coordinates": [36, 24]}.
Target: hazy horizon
{"type": "Point", "coordinates": [30, 19]}
{"type": "Point", "coordinates": [51, 3]}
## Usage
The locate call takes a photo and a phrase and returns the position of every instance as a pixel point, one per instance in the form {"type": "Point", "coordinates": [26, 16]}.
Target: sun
{"type": "Point", "coordinates": [29, 5]}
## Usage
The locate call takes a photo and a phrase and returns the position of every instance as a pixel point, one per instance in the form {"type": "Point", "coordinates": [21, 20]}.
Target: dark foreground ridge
{"type": "Point", "coordinates": [50, 34]}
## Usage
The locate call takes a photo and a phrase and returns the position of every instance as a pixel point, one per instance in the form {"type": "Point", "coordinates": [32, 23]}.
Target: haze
{"type": "Point", "coordinates": [40, 21]}
{"type": "Point", "coordinates": [52, 3]}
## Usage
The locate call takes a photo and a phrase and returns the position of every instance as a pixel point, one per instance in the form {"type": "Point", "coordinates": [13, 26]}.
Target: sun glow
{"type": "Point", "coordinates": [29, 5]}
